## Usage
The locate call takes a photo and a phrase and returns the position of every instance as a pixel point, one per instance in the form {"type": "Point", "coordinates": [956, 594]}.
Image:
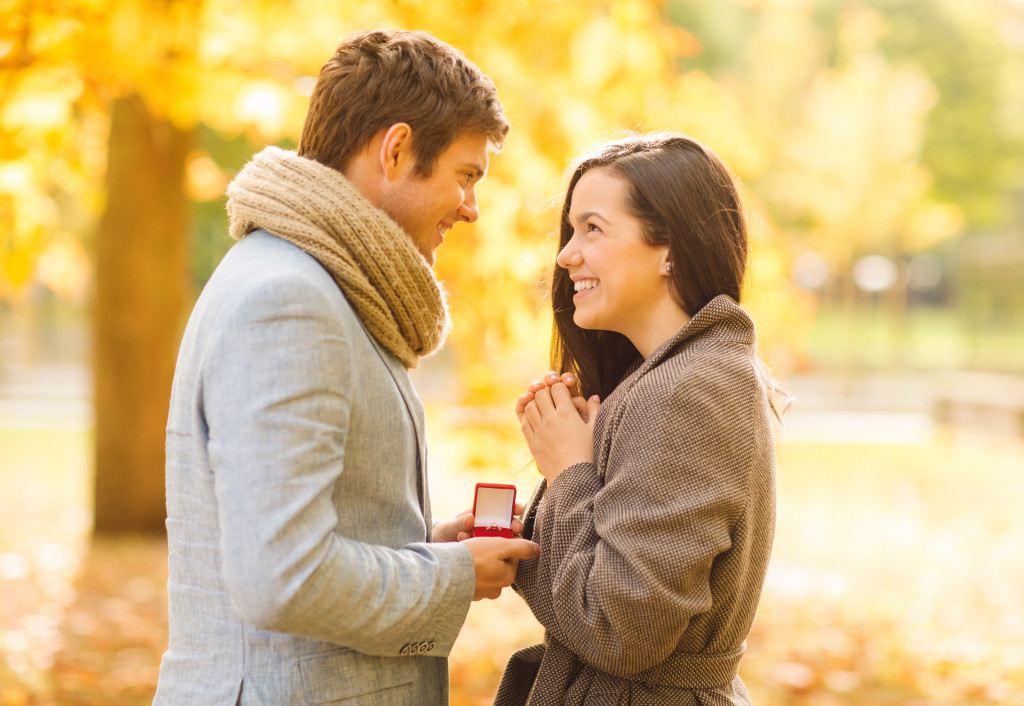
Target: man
{"type": "Point", "coordinates": [301, 563]}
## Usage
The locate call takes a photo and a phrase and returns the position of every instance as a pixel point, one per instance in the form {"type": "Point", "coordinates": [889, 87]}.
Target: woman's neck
{"type": "Point", "coordinates": [660, 325]}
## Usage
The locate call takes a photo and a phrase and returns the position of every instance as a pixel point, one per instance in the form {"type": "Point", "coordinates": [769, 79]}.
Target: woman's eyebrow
{"type": "Point", "coordinates": [587, 215]}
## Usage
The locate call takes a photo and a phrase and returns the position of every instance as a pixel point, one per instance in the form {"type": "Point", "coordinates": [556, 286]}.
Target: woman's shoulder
{"type": "Point", "coordinates": [701, 380]}
{"type": "Point", "coordinates": [710, 360]}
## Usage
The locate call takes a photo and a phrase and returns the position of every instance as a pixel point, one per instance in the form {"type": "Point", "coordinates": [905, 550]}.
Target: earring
{"type": "Point", "coordinates": [668, 268]}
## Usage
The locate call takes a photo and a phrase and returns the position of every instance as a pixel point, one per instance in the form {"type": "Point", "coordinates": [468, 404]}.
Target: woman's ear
{"type": "Point", "coordinates": [666, 264]}
{"type": "Point", "coordinates": [396, 150]}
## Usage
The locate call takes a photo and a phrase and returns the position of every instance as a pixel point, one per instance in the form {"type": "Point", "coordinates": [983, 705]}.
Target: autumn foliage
{"type": "Point", "coordinates": [856, 127]}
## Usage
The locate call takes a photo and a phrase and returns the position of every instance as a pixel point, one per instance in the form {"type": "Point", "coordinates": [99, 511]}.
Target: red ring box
{"type": "Point", "coordinates": [493, 505]}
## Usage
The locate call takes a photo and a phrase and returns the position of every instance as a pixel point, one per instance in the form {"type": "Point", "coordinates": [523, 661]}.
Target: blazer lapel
{"type": "Point", "coordinates": [415, 409]}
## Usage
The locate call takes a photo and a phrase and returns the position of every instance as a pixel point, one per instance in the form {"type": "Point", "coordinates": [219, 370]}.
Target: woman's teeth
{"type": "Point", "coordinates": [585, 284]}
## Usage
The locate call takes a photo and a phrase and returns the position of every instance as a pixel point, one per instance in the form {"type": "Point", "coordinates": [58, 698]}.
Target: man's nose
{"type": "Point", "coordinates": [469, 211]}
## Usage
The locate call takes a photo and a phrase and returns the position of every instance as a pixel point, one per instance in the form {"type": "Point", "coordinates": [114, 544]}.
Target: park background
{"type": "Point", "coordinates": [880, 144]}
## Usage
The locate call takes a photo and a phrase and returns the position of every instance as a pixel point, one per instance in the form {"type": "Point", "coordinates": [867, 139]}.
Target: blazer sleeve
{"type": "Point", "coordinates": [276, 397]}
{"type": "Point", "coordinates": [626, 561]}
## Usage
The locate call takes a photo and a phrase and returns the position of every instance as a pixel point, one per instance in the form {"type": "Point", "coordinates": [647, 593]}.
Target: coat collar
{"type": "Point", "coordinates": [722, 314]}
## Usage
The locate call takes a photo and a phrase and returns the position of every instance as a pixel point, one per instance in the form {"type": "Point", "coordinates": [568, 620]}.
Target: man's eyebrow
{"type": "Point", "coordinates": [478, 169]}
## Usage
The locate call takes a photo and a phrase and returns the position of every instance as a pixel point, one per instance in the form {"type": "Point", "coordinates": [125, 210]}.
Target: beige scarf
{"type": "Point", "coordinates": [374, 262]}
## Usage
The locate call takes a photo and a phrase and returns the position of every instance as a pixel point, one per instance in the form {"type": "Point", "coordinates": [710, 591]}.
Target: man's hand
{"type": "Point", "coordinates": [460, 526]}
{"type": "Point", "coordinates": [495, 560]}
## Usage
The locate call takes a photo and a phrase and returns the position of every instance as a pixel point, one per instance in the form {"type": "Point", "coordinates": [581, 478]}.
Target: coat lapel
{"type": "Point", "coordinates": [414, 407]}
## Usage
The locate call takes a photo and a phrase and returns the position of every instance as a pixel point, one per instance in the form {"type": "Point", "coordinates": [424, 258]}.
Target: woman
{"type": "Point", "coordinates": [656, 513]}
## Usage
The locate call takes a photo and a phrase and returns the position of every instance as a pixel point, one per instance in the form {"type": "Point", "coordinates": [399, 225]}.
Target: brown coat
{"type": "Point", "coordinates": [653, 557]}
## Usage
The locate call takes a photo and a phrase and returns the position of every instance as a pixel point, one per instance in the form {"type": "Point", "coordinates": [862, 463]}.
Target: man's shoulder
{"type": "Point", "coordinates": [262, 255]}
{"type": "Point", "coordinates": [264, 279]}
{"type": "Point", "coordinates": [263, 268]}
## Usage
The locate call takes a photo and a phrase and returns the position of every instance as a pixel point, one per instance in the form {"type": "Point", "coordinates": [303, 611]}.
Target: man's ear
{"type": "Point", "coordinates": [396, 150]}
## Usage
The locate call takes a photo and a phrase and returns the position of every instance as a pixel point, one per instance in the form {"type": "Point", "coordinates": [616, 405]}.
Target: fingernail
{"type": "Point", "coordinates": [596, 398]}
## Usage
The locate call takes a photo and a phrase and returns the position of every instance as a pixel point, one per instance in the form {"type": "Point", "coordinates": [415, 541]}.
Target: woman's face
{"type": "Point", "coordinates": [621, 281]}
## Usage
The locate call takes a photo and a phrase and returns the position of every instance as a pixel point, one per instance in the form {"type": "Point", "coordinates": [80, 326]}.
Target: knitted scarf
{"type": "Point", "coordinates": [373, 261]}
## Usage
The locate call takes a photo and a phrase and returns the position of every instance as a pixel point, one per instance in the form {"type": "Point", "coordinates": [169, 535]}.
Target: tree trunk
{"type": "Point", "coordinates": [141, 279]}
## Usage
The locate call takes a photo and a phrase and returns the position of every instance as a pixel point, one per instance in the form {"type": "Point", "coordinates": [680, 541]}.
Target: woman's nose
{"type": "Point", "coordinates": [569, 256]}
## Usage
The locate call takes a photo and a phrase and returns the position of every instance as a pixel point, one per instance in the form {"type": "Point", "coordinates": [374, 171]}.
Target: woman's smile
{"type": "Point", "coordinates": [583, 288]}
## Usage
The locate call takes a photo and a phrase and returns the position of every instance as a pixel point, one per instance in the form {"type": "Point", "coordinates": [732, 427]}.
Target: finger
{"type": "Point", "coordinates": [536, 385]}
{"type": "Point", "coordinates": [593, 404]}
{"type": "Point", "coordinates": [560, 396]}
{"type": "Point", "coordinates": [463, 536]}
{"type": "Point", "coordinates": [542, 401]}
{"type": "Point", "coordinates": [517, 526]}
{"type": "Point", "coordinates": [518, 509]}
{"type": "Point", "coordinates": [526, 426]}
{"type": "Point", "coordinates": [531, 419]}
{"type": "Point", "coordinates": [521, 403]}
{"type": "Point", "coordinates": [521, 549]}
{"type": "Point", "coordinates": [581, 406]}
{"type": "Point", "coordinates": [569, 379]}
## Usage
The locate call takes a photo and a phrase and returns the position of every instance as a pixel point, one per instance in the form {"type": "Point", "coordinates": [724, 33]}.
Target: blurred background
{"type": "Point", "coordinates": [880, 144]}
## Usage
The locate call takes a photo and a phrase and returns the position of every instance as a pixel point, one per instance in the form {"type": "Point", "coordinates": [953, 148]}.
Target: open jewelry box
{"type": "Point", "coordinates": [493, 505]}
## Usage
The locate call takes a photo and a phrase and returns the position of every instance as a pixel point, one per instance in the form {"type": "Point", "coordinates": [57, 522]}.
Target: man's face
{"type": "Point", "coordinates": [426, 208]}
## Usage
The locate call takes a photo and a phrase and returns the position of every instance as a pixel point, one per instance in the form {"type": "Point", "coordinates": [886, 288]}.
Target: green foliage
{"type": "Point", "coordinates": [974, 142]}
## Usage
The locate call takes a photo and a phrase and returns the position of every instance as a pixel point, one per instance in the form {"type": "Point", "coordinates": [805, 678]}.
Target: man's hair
{"type": "Point", "coordinates": [378, 78]}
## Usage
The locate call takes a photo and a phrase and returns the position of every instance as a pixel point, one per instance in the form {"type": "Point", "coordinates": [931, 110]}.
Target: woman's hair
{"type": "Point", "coordinates": [378, 78]}
{"type": "Point", "coordinates": [685, 198]}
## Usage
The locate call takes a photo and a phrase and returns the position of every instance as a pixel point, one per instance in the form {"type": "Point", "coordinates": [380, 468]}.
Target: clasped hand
{"type": "Point", "coordinates": [558, 426]}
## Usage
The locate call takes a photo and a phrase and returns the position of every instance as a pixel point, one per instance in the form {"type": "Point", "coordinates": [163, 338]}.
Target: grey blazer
{"type": "Point", "coordinates": [653, 557]}
{"type": "Point", "coordinates": [298, 519]}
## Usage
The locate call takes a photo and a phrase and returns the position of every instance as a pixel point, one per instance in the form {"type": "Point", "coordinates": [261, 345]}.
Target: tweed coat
{"type": "Point", "coordinates": [653, 557]}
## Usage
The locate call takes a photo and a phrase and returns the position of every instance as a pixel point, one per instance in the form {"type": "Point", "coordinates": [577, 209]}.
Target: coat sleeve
{"type": "Point", "coordinates": [277, 381]}
{"type": "Point", "coordinates": [626, 561]}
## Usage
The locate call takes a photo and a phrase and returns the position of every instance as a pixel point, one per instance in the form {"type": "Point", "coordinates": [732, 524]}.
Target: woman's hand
{"type": "Point", "coordinates": [558, 428]}
{"type": "Point", "coordinates": [545, 383]}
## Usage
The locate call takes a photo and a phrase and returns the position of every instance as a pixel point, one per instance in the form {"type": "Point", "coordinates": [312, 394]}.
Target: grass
{"type": "Point", "coordinates": [895, 577]}
{"type": "Point", "coordinates": [926, 339]}
{"type": "Point", "coordinates": [44, 518]}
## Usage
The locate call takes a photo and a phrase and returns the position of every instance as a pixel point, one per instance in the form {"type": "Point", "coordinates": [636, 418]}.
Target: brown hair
{"type": "Point", "coordinates": [685, 198]}
{"type": "Point", "coordinates": [378, 78]}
